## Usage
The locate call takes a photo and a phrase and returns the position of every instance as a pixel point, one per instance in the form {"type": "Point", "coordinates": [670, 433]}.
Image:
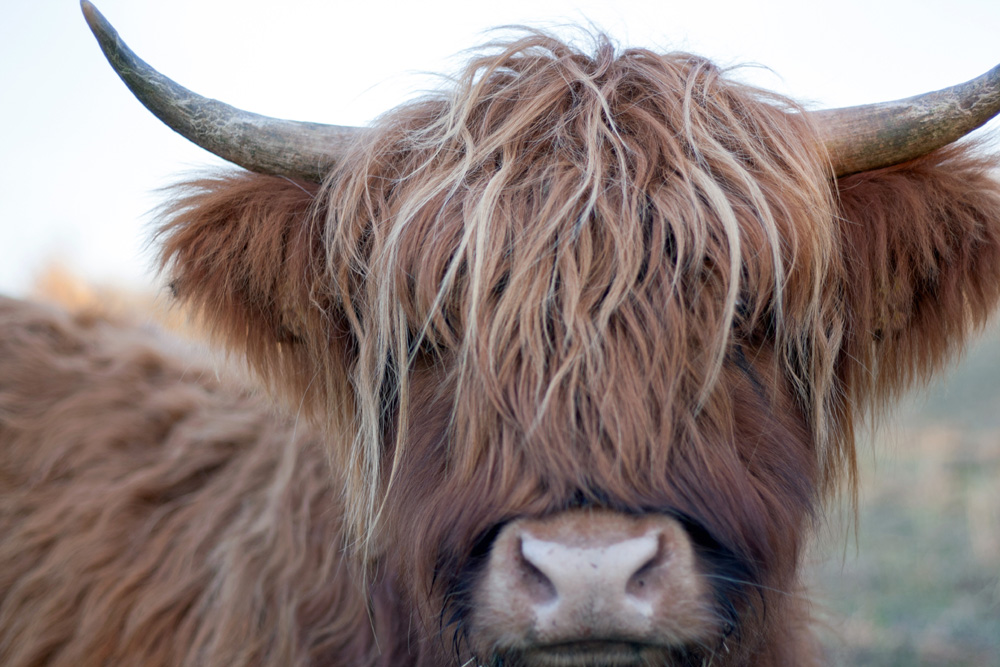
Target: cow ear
{"type": "Point", "coordinates": [245, 252]}
{"type": "Point", "coordinates": [921, 246]}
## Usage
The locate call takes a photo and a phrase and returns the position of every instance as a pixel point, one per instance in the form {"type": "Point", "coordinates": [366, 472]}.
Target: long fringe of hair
{"type": "Point", "coordinates": [584, 234]}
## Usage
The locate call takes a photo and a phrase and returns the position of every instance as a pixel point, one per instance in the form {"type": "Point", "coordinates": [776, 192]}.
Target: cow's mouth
{"type": "Point", "coordinates": [595, 653]}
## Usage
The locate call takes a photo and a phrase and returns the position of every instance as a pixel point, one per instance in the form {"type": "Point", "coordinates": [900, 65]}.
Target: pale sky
{"type": "Point", "coordinates": [82, 160]}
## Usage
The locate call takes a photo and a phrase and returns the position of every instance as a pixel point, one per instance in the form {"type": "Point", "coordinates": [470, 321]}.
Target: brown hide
{"type": "Point", "coordinates": [154, 512]}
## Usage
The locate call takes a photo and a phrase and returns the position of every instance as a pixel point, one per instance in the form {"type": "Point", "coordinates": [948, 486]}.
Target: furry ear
{"type": "Point", "coordinates": [921, 246]}
{"type": "Point", "coordinates": [245, 251]}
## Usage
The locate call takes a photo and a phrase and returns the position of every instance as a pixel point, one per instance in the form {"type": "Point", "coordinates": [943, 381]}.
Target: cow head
{"type": "Point", "coordinates": [589, 333]}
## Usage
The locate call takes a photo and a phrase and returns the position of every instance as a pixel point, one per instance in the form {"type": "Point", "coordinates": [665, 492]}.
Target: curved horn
{"type": "Point", "coordinates": [880, 135]}
{"type": "Point", "coordinates": [258, 143]}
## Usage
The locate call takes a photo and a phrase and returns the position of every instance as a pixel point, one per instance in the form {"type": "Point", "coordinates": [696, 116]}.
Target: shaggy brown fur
{"type": "Point", "coordinates": [155, 513]}
{"type": "Point", "coordinates": [616, 280]}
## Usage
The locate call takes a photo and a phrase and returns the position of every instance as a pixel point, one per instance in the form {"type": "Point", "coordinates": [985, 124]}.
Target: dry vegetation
{"type": "Point", "coordinates": [61, 287]}
{"type": "Point", "coordinates": [920, 584]}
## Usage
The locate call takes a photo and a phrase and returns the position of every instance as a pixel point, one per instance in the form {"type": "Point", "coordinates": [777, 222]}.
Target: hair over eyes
{"type": "Point", "coordinates": [583, 234]}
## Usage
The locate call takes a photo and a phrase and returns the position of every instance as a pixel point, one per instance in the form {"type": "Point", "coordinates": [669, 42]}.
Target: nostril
{"type": "Point", "coordinates": [644, 579]}
{"type": "Point", "coordinates": [539, 587]}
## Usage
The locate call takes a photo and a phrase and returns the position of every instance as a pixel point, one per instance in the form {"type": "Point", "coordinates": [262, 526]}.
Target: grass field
{"type": "Point", "coordinates": [920, 584]}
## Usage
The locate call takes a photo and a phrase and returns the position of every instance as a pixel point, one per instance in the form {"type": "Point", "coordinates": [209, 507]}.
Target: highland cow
{"type": "Point", "coordinates": [573, 354]}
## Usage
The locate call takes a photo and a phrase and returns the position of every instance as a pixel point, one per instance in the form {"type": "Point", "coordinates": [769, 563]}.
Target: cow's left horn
{"type": "Point", "coordinates": [259, 143]}
{"type": "Point", "coordinates": [880, 135]}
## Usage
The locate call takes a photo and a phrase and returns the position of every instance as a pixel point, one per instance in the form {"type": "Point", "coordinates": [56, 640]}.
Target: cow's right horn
{"type": "Point", "coordinates": [258, 143]}
{"type": "Point", "coordinates": [878, 135]}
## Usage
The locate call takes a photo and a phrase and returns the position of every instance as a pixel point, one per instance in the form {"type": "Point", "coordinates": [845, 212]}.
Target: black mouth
{"type": "Point", "coordinates": [591, 654]}
{"type": "Point", "coordinates": [597, 653]}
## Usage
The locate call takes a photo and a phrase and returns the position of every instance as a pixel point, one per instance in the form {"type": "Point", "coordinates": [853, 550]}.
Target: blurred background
{"type": "Point", "coordinates": [915, 582]}
{"type": "Point", "coordinates": [916, 579]}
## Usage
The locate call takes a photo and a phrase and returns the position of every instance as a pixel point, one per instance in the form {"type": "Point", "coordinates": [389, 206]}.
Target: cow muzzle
{"type": "Point", "coordinates": [592, 588]}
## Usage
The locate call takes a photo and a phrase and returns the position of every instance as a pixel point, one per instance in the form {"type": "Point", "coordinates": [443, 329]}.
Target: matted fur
{"type": "Point", "coordinates": [588, 279]}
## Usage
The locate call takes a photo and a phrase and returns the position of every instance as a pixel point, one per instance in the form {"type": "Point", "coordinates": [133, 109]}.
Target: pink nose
{"type": "Point", "coordinates": [605, 575]}
{"type": "Point", "coordinates": [593, 576]}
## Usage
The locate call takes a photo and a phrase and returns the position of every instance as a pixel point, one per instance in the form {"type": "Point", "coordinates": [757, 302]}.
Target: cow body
{"type": "Point", "coordinates": [157, 512]}
{"type": "Point", "coordinates": [141, 494]}
{"type": "Point", "coordinates": [573, 353]}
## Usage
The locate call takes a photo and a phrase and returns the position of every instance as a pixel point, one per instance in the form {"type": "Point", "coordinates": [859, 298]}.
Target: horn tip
{"type": "Point", "coordinates": [95, 19]}
{"type": "Point", "coordinates": [90, 12]}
